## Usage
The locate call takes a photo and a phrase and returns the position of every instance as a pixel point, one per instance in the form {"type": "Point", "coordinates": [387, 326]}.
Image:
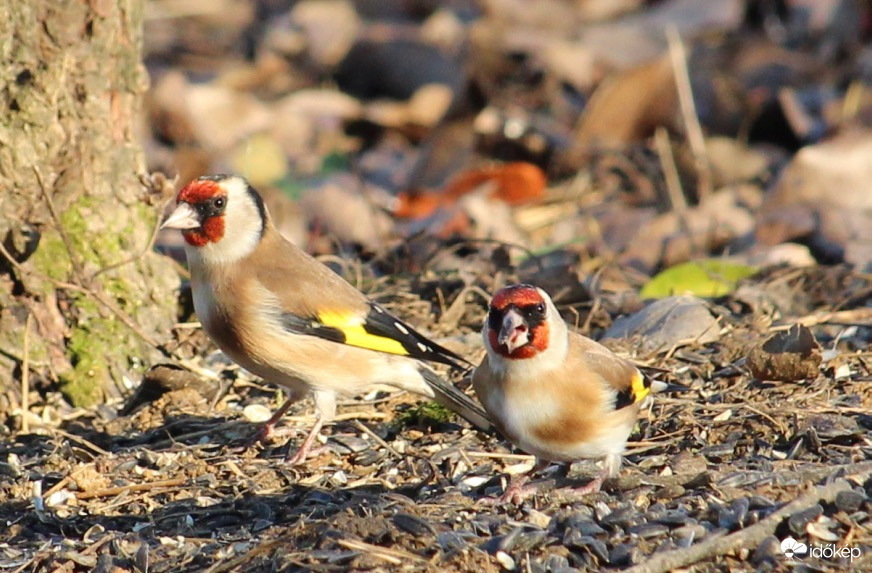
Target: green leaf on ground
{"type": "Point", "coordinates": [704, 278]}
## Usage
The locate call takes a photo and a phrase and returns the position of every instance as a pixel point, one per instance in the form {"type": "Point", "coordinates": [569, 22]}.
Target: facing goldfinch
{"type": "Point", "coordinates": [554, 393]}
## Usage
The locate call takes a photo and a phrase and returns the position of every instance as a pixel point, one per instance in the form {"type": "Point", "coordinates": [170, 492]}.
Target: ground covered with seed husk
{"type": "Point", "coordinates": [714, 477]}
{"type": "Point", "coordinates": [433, 153]}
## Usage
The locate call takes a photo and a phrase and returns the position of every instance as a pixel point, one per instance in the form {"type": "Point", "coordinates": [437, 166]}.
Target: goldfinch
{"type": "Point", "coordinates": [555, 393]}
{"type": "Point", "coordinates": [287, 318]}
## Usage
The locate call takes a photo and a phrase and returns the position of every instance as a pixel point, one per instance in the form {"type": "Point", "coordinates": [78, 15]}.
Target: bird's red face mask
{"type": "Point", "coordinates": [517, 325]}
{"type": "Point", "coordinates": [199, 212]}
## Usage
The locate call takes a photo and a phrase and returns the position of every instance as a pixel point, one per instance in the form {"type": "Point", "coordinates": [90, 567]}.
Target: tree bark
{"type": "Point", "coordinates": [77, 214]}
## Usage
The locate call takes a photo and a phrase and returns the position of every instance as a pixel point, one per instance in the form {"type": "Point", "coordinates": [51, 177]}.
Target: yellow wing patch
{"type": "Point", "coordinates": [352, 327]}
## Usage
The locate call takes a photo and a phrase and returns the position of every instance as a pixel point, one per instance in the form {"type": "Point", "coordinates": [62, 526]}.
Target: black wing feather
{"type": "Point", "coordinates": [380, 322]}
{"type": "Point", "coordinates": [300, 325]}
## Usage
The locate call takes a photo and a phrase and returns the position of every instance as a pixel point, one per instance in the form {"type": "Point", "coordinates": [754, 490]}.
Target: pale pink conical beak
{"type": "Point", "coordinates": [514, 332]}
{"type": "Point", "coordinates": [183, 217]}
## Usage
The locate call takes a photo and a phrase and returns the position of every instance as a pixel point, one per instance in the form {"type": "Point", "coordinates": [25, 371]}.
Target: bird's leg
{"type": "Point", "coordinates": [266, 429]}
{"type": "Point", "coordinates": [611, 468]}
{"type": "Point", "coordinates": [305, 448]}
{"type": "Point", "coordinates": [592, 486]}
{"type": "Point", "coordinates": [325, 411]}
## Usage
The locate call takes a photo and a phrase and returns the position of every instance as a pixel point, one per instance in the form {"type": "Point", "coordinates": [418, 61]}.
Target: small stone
{"type": "Point", "coordinates": [505, 560]}
{"type": "Point", "coordinates": [473, 482]}
{"type": "Point", "coordinates": [59, 498]}
{"type": "Point", "coordinates": [668, 322]}
{"type": "Point", "coordinates": [10, 470]}
{"type": "Point", "coordinates": [719, 451]}
{"type": "Point", "coordinates": [670, 492]}
{"type": "Point", "coordinates": [833, 426]}
{"type": "Point", "coordinates": [655, 510]}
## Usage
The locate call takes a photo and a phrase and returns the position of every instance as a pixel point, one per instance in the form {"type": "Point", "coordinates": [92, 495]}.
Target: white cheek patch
{"type": "Point", "coordinates": [243, 226]}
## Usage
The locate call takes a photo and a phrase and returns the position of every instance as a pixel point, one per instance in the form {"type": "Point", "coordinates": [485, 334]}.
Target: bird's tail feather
{"type": "Point", "coordinates": [451, 397]}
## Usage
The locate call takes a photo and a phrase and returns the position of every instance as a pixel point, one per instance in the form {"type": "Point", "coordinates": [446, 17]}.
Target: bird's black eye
{"type": "Point", "coordinates": [540, 307]}
{"type": "Point", "coordinates": [219, 202]}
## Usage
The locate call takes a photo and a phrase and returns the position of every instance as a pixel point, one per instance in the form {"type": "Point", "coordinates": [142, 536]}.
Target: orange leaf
{"type": "Point", "coordinates": [516, 183]}
{"type": "Point", "coordinates": [417, 204]}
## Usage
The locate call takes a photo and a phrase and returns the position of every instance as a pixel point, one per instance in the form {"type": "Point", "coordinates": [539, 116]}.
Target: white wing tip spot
{"type": "Point", "coordinates": [401, 328]}
{"type": "Point", "coordinates": [423, 347]}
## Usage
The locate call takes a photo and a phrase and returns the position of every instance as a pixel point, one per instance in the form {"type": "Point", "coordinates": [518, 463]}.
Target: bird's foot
{"type": "Point", "coordinates": [515, 493]}
{"type": "Point", "coordinates": [306, 447]}
{"type": "Point", "coordinates": [592, 486]}
{"type": "Point", "coordinates": [302, 454]}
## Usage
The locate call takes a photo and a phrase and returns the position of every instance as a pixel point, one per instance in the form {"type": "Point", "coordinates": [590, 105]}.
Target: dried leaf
{"type": "Point", "coordinates": [628, 107]}
{"type": "Point", "coordinates": [789, 355]}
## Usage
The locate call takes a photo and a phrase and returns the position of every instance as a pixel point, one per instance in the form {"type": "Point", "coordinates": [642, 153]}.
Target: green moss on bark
{"type": "Point", "coordinates": [69, 140]}
{"type": "Point", "coordinates": [99, 344]}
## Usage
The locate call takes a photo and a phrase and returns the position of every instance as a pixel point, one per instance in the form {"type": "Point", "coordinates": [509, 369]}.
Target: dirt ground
{"type": "Point", "coordinates": [714, 477]}
{"type": "Point", "coordinates": [433, 153]}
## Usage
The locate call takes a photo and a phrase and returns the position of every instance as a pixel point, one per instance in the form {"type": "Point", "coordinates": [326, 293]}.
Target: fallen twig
{"type": "Point", "coordinates": [394, 556]}
{"type": "Point", "coordinates": [695, 137]}
{"type": "Point", "coordinates": [110, 491]}
{"type": "Point", "coordinates": [377, 439]}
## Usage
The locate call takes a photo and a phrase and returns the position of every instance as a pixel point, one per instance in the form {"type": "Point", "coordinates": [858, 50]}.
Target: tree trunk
{"type": "Point", "coordinates": [76, 218]}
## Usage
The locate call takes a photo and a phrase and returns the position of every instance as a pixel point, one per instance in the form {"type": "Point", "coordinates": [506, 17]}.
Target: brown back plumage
{"type": "Point", "coordinates": [276, 259]}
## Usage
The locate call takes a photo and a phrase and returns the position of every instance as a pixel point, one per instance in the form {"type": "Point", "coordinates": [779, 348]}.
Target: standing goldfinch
{"type": "Point", "coordinates": [554, 393]}
{"type": "Point", "coordinates": [285, 317]}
